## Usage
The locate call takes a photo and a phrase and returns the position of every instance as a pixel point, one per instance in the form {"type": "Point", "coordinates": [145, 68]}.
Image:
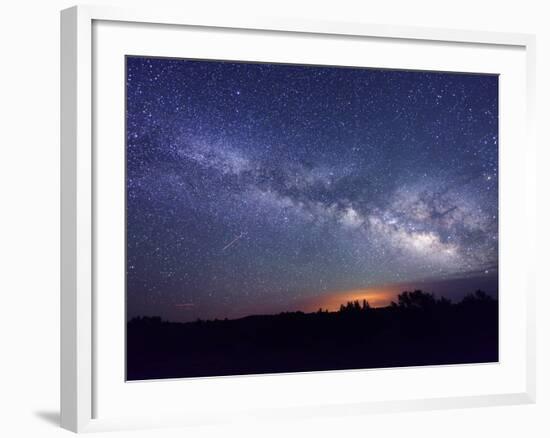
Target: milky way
{"type": "Point", "coordinates": [251, 187]}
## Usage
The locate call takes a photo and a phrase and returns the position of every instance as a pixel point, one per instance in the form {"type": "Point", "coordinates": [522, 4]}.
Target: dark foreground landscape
{"type": "Point", "coordinates": [418, 329]}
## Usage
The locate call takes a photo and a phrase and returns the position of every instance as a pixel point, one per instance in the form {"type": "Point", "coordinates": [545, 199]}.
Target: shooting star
{"type": "Point", "coordinates": [233, 241]}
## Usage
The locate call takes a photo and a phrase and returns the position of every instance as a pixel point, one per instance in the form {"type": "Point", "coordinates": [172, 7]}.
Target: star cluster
{"type": "Point", "coordinates": [252, 186]}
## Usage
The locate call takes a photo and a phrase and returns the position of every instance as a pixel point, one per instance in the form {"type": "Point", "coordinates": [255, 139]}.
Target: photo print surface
{"type": "Point", "coordinates": [293, 218]}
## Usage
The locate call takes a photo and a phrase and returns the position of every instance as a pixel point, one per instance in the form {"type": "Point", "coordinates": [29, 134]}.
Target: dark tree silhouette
{"type": "Point", "coordinates": [419, 300]}
{"type": "Point", "coordinates": [354, 307]}
{"type": "Point", "coordinates": [415, 300]}
{"type": "Point", "coordinates": [477, 297]}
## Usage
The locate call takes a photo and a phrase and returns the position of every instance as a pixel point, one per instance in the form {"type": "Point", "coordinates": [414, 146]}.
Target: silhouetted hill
{"type": "Point", "coordinates": [418, 329]}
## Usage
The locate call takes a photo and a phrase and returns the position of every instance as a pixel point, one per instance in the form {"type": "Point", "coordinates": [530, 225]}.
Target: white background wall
{"type": "Point", "coordinates": [29, 216]}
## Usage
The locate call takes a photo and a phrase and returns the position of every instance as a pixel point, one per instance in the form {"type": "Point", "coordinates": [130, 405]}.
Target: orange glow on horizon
{"type": "Point", "coordinates": [377, 296]}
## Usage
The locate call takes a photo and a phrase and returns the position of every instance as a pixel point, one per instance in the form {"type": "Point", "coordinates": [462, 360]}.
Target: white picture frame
{"type": "Point", "coordinates": [81, 370]}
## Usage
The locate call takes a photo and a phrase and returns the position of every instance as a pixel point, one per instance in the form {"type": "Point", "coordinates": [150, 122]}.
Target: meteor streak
{"type": "Point", "coordinates": [233, 241]}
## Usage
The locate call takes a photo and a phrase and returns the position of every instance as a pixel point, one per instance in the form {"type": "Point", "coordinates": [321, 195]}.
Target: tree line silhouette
{"type": "Point", "coordinates": [417, 300]}
{"type": "Point", "coordinates": [416, 329]}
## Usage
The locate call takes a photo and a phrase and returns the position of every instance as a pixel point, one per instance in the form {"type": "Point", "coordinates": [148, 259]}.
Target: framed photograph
{"type": "Point", "coordinates": [266, 218]}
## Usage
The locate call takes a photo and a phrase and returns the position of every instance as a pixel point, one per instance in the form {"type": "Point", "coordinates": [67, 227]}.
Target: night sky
{"type": "Point", "coordinates": [260, 188]}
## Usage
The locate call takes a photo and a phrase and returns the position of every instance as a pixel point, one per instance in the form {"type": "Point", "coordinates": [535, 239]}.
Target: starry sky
{"type": "Point", "coordinates": [261, 188]}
